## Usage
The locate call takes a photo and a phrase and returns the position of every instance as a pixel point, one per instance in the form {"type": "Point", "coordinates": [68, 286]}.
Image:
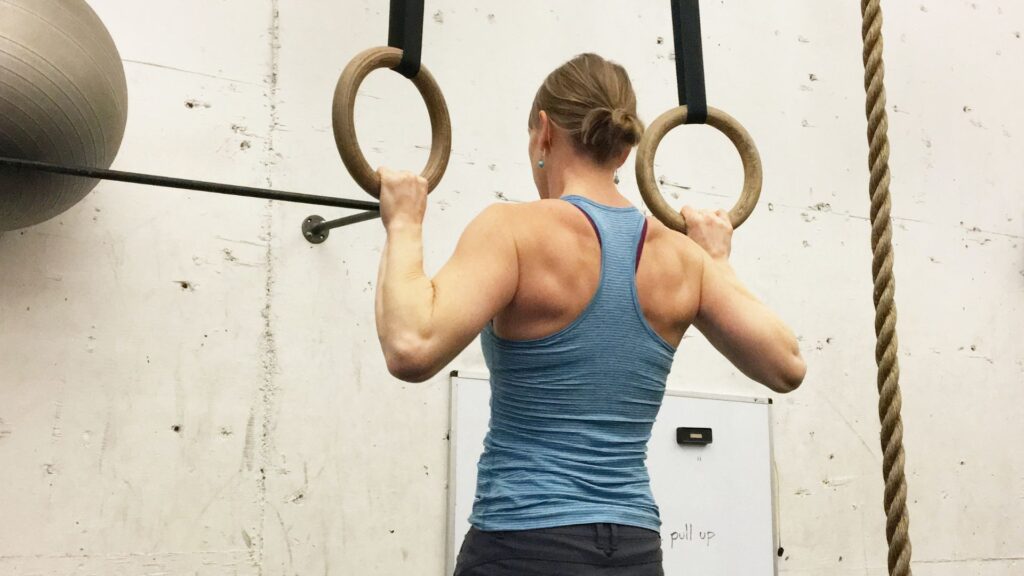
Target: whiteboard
{"type": "Point", "coordinates": [717, 501]}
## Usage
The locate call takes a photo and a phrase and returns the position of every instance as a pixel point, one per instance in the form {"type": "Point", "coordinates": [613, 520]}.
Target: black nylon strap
{"type": "Point", "coordinates": [405, 31]}
{"type": "Point", "coordinates": [689, 59]}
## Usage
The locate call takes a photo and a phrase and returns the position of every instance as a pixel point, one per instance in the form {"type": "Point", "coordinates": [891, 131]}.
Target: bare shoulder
{"type": "Point", "coordinates": [515, 221]}
{"type": "Point", "coordinates": [492, 227]}
{"type": "Point", "coordinates": [498, 217]}
{"type": "Point", "coordinates": [538, 215]}
{"type": "Point", "coordinates": [546, 206]}
{"type": "Point", "coordinates": [519, 210]}
{"type": "Point", "coordinates": [673, 245]}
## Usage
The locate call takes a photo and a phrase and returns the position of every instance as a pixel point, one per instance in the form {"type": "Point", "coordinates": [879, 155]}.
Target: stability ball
{"type": "Point", "coordinates": [63, 99]}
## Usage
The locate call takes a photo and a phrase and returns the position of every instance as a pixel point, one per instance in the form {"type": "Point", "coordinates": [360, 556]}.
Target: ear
{"type": "Point", "coordinates": [544, 132]}
{"type": "Point", "coordinates": [622, 157]}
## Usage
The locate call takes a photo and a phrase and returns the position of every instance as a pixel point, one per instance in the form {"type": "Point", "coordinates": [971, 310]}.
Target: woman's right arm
{"type": "Point", "coordinates": [736, 323]}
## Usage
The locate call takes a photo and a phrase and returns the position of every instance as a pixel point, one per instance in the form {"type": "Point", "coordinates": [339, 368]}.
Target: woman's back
{"type": "Point", "coordinates": [573, 403]}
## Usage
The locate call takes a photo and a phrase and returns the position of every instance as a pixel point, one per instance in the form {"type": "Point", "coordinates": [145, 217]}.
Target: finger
{"type": "Point", "coordinates": [410, 178]}
{"type": "Point", "coordinates": [724, 217]}
{"type": "Point", "coordinates": [702, 217]}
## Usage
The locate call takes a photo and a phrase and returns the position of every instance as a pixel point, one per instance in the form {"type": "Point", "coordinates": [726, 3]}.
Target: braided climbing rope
{"type": "Point", "coordinates": [890, 399]}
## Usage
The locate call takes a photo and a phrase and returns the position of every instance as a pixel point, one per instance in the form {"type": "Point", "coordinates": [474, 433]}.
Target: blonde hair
{"type": "Point", "coordinates": [593, 100]}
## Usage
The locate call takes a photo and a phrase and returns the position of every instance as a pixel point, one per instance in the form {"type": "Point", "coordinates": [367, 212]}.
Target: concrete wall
{"type": "Point", "coordinates": [188, 387]}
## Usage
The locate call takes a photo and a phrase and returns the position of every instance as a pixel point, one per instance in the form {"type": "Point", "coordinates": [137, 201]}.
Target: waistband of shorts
{"type": "Point", "coordinates": [625, 531]}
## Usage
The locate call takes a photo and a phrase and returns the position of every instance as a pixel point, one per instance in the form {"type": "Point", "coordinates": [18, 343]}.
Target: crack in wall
{"type": "Point", "coordinates": [191, 72]}
{"type": "Point", "coordinates": [267, 392]}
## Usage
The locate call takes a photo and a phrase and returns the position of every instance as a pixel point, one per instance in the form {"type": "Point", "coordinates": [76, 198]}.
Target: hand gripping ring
{"type": "Point", "coordinates": [344, 119]}
{"type": "Point", "coordinates": [752, 176]}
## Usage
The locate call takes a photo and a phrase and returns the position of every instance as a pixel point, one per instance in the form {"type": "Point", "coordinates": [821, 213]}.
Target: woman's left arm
{"type": "Point", "coordinates": [424, 323]}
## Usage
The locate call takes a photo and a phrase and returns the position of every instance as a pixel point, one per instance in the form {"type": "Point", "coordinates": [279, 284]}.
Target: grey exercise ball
{"type": "Point", "coordinates": [63, 99]}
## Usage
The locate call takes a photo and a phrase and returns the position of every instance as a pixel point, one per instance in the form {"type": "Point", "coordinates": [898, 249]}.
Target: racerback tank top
{"type": "Point", "coordinates": [571, 413]}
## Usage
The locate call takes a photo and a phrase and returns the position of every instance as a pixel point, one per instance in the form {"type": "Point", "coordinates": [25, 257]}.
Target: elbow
{"type": "Point", "coordinates": [408, 369]}
{"type": "Point", "coordinates": [409, 361]}
{"type": "Point", "coordinates": [790, 376]}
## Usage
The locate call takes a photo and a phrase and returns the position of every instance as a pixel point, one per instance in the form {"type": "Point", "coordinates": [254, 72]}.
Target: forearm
{"type": "Point", "coordinates": [405, 294]}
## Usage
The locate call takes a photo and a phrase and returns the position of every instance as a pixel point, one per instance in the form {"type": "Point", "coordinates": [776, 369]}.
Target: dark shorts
{"type": "Point", "coordinates": [584, 549]}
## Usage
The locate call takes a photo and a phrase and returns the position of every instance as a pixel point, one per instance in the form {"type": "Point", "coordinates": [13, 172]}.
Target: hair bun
{"type": "Point", "coordinates": [591, 99]}
{"type": "Point", "coordinates": [606, 128]}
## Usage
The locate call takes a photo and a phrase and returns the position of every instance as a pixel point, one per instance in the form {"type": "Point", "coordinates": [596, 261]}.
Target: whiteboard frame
{"type": "Point", "coordinates": [485, 377]}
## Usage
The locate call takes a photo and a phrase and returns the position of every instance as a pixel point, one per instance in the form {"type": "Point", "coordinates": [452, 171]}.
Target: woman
{"type": "Point", "coordinates": [580, 302]}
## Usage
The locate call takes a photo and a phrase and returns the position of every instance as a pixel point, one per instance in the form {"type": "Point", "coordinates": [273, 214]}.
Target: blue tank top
{"type": "Point", "coordinates": [571, 413]}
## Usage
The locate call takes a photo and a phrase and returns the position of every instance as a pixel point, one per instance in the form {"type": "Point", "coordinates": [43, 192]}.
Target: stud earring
{"type": "Point", "coordinates": [540, 164]}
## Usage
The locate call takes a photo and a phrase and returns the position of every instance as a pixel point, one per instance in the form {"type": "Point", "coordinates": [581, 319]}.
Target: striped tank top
{"type": "Point", "coordinates": [571, 413]}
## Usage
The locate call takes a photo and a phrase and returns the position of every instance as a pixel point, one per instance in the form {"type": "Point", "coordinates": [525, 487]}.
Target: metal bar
{"type": "Point", "coordinates": [316, 230]}
{"type": "Point", "coordinates": [167, 182]}
{"type": "Point", "coordinates": [347, 220]}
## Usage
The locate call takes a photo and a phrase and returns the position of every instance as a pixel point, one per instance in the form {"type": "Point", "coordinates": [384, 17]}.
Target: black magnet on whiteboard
{"type": "Point", "coordinates": [693, 436]}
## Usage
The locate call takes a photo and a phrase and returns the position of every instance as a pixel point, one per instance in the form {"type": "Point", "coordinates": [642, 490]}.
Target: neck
{"type": "Point", "coordinates": [591, 182]}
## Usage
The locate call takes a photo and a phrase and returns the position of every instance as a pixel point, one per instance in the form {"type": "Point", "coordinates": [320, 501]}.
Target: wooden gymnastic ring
{"type": "Point", "coordinates": [752, 176]}
{"type": "Point", "coordinates": [344, 119]}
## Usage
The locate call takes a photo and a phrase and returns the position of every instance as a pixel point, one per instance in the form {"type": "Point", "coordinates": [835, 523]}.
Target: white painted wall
{"type": "Point", "coordinates": [142, 310]}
